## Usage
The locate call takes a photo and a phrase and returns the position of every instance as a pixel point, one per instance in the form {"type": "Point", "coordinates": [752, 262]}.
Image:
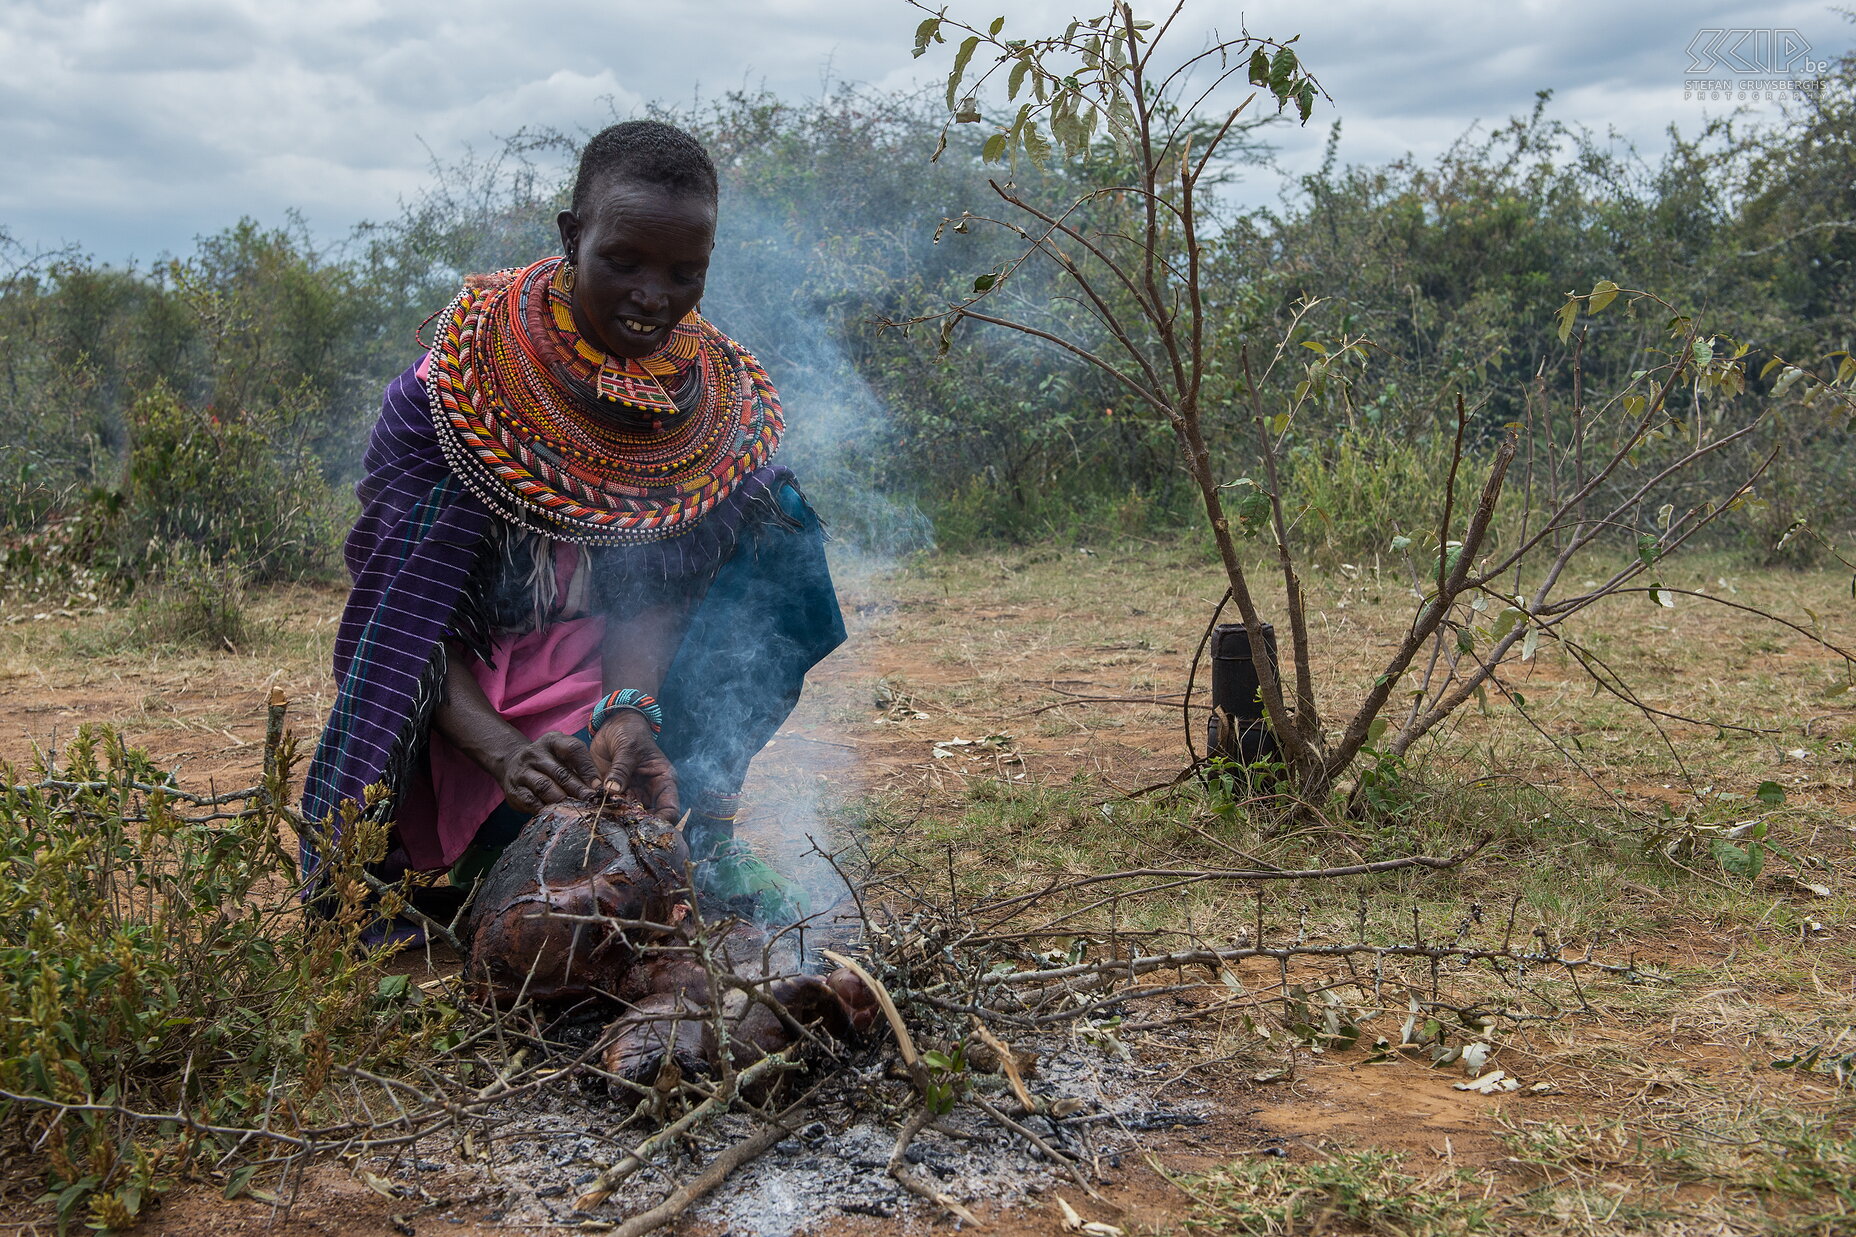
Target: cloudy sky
{"type": "Point", "coordinates": [132, 126]}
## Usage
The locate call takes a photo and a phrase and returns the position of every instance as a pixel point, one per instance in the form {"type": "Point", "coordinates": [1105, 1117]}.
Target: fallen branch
{"type": "Point", "coordinates": [1133, 967]}
{"type": "Point", "coordinates": [905, 1043]}
{"type": "Point", "coordinates": [909, 1180]}
{"type": "Point", "coordinates": [1044, 1149]}
{"type": "Point", "coordinates": [608, 1180]}
{"type": "Point", "coordinates": [1182, 875]}
{"type": "Point", "coordinates": [683, 1197]}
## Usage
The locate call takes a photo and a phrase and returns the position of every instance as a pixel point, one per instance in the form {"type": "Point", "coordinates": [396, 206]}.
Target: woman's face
{"type": "Point", "coordinates": [640, 255]}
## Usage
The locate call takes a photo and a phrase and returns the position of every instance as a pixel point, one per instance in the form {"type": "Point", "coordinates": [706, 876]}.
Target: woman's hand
{"type": "Point", "coordinates": [629, 763]}
{"type": "Point", "coordinates": [550, 769]}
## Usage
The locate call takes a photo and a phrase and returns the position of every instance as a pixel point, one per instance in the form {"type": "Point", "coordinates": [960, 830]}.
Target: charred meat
{"type": "Point", "coordinates": [592, 903]}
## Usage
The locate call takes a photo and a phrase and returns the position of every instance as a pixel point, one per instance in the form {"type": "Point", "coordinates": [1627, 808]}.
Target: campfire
{"type": "Point", "coordinates": [958, 1053]}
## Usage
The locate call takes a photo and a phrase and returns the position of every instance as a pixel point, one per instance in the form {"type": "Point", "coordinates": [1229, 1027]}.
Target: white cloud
{"type": "Point", "coordinates": [132, 125]}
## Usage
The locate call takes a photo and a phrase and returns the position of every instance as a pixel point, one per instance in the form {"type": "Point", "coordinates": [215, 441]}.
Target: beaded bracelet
{"type": "Point", "coordinates": [627, 698]}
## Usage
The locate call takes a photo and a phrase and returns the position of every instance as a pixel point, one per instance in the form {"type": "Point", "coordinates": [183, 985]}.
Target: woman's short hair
{"type": "Point", "coordinates": [647, 151]}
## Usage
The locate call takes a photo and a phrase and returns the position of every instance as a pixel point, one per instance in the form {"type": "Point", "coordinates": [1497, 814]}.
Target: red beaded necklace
{"type": "Point", "coordinates": [555, 435]}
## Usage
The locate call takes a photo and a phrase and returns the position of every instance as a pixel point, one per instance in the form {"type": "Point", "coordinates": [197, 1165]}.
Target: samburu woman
{"type": "Point", "coordinates": [576, 569]}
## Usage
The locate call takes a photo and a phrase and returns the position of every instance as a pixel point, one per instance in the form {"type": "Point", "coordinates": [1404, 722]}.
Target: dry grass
{"type": "Point", "coordinates": [1665, 1113]}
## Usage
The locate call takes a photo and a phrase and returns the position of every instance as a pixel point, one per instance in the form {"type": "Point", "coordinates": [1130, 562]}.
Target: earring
{"type": "Point", "coordinates": [567, 274]}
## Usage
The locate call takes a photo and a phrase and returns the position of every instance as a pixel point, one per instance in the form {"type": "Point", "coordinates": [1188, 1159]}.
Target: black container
{"type": "Point", "coordinates": [1237, 729]}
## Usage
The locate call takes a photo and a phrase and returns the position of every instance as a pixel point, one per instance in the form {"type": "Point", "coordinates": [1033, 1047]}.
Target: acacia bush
{"type": "Point", "coordinates": [218, 485]}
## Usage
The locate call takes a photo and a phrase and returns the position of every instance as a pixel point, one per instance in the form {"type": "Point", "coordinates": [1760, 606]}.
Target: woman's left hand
{"type": "Point", "coordinates": [627, 758]}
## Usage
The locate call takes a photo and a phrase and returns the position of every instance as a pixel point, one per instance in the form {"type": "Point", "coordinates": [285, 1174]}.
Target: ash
{"type": "Point", "coordinates": [548, 1149]}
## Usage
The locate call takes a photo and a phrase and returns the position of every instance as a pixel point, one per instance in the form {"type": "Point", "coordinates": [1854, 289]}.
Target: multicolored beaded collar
{"type": "Point", "coordinates": [554, 435]}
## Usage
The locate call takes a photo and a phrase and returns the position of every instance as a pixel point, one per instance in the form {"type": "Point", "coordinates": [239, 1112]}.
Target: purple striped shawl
{"type": "Point", "coordinates": [410, 554]}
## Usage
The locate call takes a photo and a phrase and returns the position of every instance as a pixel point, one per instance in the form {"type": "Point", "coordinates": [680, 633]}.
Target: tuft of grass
{"type": "Point", "coordinates": [190, 602]}
{"type": "Point", "coordinates": [1348, 1192]}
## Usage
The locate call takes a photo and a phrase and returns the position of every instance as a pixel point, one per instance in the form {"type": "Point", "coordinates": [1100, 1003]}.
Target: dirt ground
{"type": "Point", "coordinates": [1061, 667]}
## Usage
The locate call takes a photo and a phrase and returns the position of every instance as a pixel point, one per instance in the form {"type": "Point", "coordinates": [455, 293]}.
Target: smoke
{"type": "Point", "coordinates": [781, 294]}
{"type": "Point", "coordinates": [778, 291]}
{"type": "Point", "coordinates": [821, 216]}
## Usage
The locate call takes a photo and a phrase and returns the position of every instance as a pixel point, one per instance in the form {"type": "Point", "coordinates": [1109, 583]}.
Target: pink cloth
{"type": "Point", "coordinates": [541, 680]}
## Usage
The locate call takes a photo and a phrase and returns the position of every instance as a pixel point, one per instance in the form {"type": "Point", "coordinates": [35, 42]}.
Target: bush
{"type": "Point", "coordinates": [220, 484]}
{"type": "Point", "coordinates": [1353, 492]}
{"type": "Point", "coordinates": [154, 959]}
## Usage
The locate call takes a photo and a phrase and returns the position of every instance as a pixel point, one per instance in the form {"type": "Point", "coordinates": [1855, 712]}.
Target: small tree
{"type": "Point", "coordinates": [1632, 475]}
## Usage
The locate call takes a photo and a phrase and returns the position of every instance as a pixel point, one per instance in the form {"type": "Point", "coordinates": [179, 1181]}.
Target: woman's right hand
{"type": "Point", "coordinates": [550, 769]}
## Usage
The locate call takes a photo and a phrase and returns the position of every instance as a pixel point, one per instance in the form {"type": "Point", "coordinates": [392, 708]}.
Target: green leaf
{"type": "Point", "coordinates": [1530, 644]}
{"type": "Point", "coordinates": [1661, 596]}
{"type": "Point", "coordinates": [237, 1183]}
{"type": "Point", "coordinates": [1603, 293]}
{"type": "Point", "coordinates": [985, 282]}
{"type": "Point", "coordinates": [1465, 640]}
{"type": "Point", "coordinates": [1770, 793]}
{"type": "Point", "coordinates": [1305, 101]}
{"type": "Point", "coordinates": [1739, 860]}
{"type": "Point", "coordinates": [1567, 314]}
{"type": "Point", "coordinates": [929, 31]}
{"type": "Point", "coordinates": [1121, 118]}
{"type": "Point", "coordinates": [937, 1060]}
{"type": "Point", "coordinates": [998, 24]}
{"type": "Point", "coordinates": [1282, 72]}
{"type": "Point", "coordinates": [1646, 549]}
{"type": "Point", "coordinates": [1259, 68]}
{"type": "Point", "coordinates": [1016, 80]}
{"type": "Point", "coordinates": [1400, 543]}
{"type": "Point", "coordinates": [1505, 621]}
{"type": "Point", "coordinates": [1374, 729]}
{"type": "Point", "coordinates": [1787, 380]}
{"type": "Point", "coordinates": [1036, 145]}
{"type": "Point", "coordinates": [994, 149]}
{"type": "Point", "coordinates": [961, 59]}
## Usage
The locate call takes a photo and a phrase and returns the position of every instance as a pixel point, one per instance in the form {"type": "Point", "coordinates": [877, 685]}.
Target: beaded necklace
{"type": "Point", "coordinates": [554, 435]}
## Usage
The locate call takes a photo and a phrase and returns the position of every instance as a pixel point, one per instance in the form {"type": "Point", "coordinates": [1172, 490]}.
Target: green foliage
{"type": "Point", "coordinates": [1079, 83]}
{"type": "Point", "coordinates": [1356, 490]}
{"type": "Point", "coordinates": [154, 959]}
{"type": "Point", "coordinates": [946, 1078]}
{"type": "Point", "coordinates": [834, 217]}
{"type": "Point", "coordinates": [195, 479]}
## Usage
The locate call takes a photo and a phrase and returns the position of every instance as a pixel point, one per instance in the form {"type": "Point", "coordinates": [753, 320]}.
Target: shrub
{"type": "Point", "coordinates": [1357, 489]}
{"type": "Point", "coordinates": [219, 483]}
{"type": "Point", "coordinates": [154, 960]}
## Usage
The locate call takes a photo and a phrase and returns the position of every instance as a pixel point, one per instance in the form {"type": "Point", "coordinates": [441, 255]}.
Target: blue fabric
{"type": "Point", "coordinates": [411, 554]}
{"type": "Point", "coordinates": [770, 615]}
